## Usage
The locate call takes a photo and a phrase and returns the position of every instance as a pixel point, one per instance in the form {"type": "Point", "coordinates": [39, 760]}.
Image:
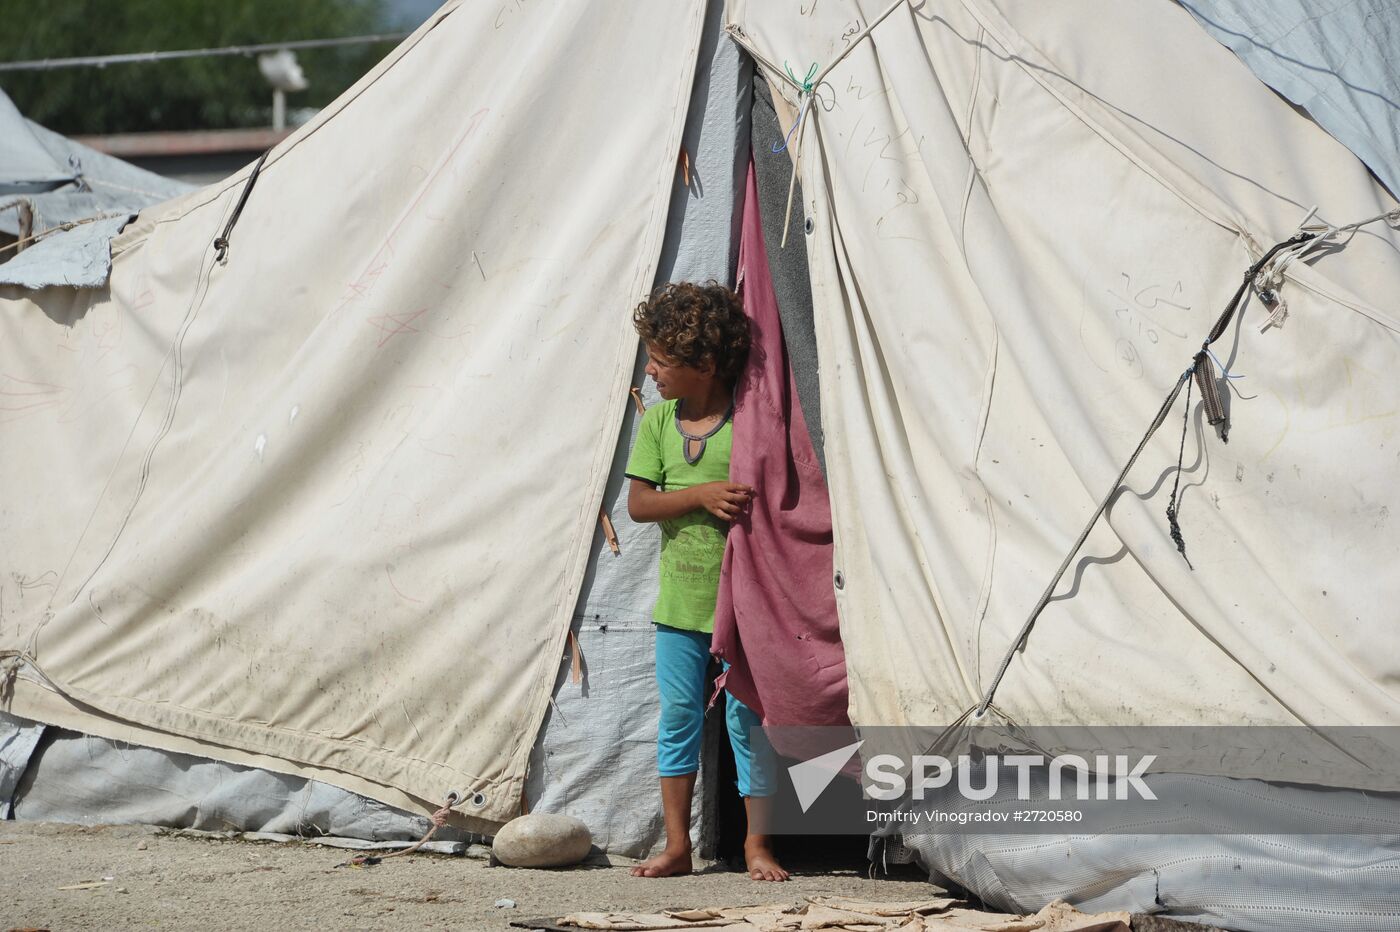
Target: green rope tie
{"type": "Point", "coordinates": [806, 83]}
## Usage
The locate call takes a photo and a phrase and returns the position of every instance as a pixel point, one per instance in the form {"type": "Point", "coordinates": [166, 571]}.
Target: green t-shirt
{"type": "Point", "coordinates": [692, 546]}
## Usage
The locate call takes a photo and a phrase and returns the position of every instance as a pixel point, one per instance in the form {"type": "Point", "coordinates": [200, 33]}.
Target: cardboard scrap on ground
{"type": "Point", "coordinates": [845, 914]}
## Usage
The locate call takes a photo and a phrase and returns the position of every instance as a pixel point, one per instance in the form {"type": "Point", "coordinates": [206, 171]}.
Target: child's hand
{"type": "Point", "coordinates": [724, 500]}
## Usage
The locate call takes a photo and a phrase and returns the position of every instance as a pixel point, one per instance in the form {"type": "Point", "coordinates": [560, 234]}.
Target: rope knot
{"type": "Point", "coordinates": [806, 82]}
{"type": "Point", "coordinates": [1177, 538]}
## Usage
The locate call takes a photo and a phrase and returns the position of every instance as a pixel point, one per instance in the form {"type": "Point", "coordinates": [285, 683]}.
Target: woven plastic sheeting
{"type": "Point", "coordinates": [1226, 874]}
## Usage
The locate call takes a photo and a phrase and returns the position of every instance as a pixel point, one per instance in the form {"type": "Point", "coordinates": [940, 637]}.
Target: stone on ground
{"type": "Point", "coordinates": [542, 839]}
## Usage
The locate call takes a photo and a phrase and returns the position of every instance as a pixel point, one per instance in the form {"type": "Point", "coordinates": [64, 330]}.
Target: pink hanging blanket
{"type": "Point", "coordinates": [775, 621]}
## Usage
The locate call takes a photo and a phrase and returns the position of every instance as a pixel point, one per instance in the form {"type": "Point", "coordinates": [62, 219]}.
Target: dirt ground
{"type": "Point", "coordinates": [165, 881]}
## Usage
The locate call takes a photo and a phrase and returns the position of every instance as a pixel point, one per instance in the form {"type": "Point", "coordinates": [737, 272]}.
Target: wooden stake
{"type": "Point", "coordinates": [609, 532]}
{"type": "Point", "coordinates": [576, 674]}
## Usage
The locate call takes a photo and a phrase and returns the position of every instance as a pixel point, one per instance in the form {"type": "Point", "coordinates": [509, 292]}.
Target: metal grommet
{"type": "Point", "coordinates": [478, 800]}
{"type": "Point", "coordinates": [809, 226]}
{"type": "Point", "coordinates": [839, 580]}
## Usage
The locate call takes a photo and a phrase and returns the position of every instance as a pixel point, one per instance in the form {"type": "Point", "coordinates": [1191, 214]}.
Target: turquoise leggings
{"type": "Point", "coordinates": [682, 658]}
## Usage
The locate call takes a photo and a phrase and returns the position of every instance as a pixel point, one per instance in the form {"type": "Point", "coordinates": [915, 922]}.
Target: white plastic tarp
{"type": "Point", "coordinates": [1020, 231]}
{"type": "Point", "coordinates": [324, 508]}
{"type": "Point", "coordinates": [18, 740]}
{"type": "Point", "coordinates": [88, 780]}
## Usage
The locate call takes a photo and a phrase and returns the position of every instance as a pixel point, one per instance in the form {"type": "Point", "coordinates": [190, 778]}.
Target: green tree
{"type": "Point", "coordinates": [202, 93]}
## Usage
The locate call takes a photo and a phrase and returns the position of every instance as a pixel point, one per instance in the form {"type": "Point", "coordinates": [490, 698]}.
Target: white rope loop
{"type": "Point", "coordinates": [1268, 284]}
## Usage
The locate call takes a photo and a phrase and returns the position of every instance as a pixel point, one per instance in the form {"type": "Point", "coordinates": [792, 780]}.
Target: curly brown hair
{"type": "Point", "coordinates": [695, 324]}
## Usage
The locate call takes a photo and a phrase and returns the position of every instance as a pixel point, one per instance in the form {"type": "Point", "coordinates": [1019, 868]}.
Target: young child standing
{"type": "Point", "coordinates": [697, 341]}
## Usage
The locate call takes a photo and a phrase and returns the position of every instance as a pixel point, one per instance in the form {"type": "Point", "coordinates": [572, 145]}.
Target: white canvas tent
{"type": "Point", "coordinates": [430, 226]}
{"type": "Point", "coordinates": [326, 509]}
{"type": "Point", "coordinates": [1337, 64]}
{"type": "Point", "coordinates": [594, 756]}
{"type": "Point", "coordinates": [1028, 241]}
{"type": "Point", "coordinates": [1019, 238]}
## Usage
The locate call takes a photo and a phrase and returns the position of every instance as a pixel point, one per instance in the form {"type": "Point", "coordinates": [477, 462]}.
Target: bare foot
{"type": "Point", "coordinates": [758, 856]}
{"type": "Point", "coordinates": [666, 864]}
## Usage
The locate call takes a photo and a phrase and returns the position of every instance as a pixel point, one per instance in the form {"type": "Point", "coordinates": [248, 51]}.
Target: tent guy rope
{"type": "Point", "coordinates": [438, 820]}
{"type": "Point", "coordinates": [221, 242]}
{"type": "Point", "coordinates": [60, 228]}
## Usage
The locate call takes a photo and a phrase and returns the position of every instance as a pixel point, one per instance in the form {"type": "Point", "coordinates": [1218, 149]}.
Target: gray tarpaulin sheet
{"type": "Point", "coordinates": [1338, 61]}
{"type": "Point", "coordinates": [79, 258]}
{"type": "Point", "coordinates": [788, 264]}
{"type": "Point", "coordinates": [79, 778]}
{"type": "Point", "coordinates": [26, 167]}
{"type": "Point", "coordinates": [62, 181]}
{"type": "Point", "coordinates": [89, 183]}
